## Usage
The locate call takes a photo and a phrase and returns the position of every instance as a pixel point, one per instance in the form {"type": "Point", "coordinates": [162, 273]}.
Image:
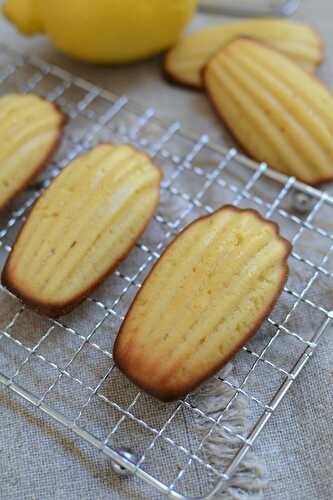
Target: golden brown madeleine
{"type": "Point", "coordinates": [184, 62]}
{"type": "Point", "coordinates": [277, 112]}
{"type": "Point", "coordinates": [82, 226]}
{"type": "Point", "coordinates": [205, 297]}
{"type": "Point", "coordinates": [30, 130]}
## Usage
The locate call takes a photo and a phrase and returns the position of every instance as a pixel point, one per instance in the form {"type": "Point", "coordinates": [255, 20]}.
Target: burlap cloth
{"type": "Point", "coordinates": [38, 459]}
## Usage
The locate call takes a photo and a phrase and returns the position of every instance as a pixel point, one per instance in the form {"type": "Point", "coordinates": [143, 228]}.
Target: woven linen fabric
{"type": "Point", "coordinates": [40, 459]}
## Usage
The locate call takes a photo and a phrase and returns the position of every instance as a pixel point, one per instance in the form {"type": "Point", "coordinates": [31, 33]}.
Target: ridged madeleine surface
{"type": "Point", "coordinates": [30, 130]}
{"type": "Point", "coordinates": [208, 294]}
{"type": "Point", "coordinates": [82, 226]}
{"type": "Point", "coordinates": [279, 113]}
{"type": "Point", "coordinates": [185, 61]}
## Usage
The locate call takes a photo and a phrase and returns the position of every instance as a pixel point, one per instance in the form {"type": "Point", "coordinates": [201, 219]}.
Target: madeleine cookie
{"type": "Point", "coordinates": [206, 296]}
{"type": "Point", "coordinates": [81, 227]}
{"type": "Point", "coordinates": [30, 130]}
{"type": "Point", "coordinates": [277, 112]}
{"type": "Point", "coordinates": [184, 62]}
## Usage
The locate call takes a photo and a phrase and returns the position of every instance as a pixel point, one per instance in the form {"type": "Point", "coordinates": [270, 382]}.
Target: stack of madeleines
{"type": "Point", "coordinates": [219, 279]}
{"type": "Point", "coordinates": [258, 75]}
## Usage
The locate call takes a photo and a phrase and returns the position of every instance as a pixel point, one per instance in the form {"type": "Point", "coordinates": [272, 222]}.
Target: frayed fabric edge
{"type": "Point", "coordinates": [220, 446]}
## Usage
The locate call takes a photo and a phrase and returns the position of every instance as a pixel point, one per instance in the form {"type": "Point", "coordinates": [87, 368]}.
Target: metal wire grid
{"type": "Point", "coordinates": [69, 360]}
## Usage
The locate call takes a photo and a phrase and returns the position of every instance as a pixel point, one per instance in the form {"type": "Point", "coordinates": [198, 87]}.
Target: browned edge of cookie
{"type": "Point", "coordinates": [228, 125]}
{"type": "Point", "coordinates": [321, 46]}
{"type": "Point", "coordinates": [47, 157]}
{"type": "Point", "coordinates": [168, 396]}
{"type": "Point", "coordinates": [174, 79]}
{"type": "Point", "coordinates": [56, 310]}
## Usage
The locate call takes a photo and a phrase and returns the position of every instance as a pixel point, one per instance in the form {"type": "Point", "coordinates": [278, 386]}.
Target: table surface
{"type": "Point", "coordinates": [46, 461]}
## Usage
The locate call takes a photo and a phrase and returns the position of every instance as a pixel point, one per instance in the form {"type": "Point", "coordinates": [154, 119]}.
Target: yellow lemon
{"type": "Point", "coordinates": [104, 31]}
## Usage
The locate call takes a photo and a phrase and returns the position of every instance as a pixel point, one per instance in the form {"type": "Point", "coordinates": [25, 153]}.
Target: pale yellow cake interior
{"type": "Point", "coordinates": [280, 114]}
{"type": "Point", "coordinates": [84, 223]}
{"type": "Point", "coordinates": [186, 60]}
{"type": "Point", "coordinates": [199, 304]}
{"type": "Point", "coordinates": [29, 127]}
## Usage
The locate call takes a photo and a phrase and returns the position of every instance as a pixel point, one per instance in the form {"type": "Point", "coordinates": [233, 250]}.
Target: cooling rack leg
{"type": "Point", "coordinates": [128, 455]}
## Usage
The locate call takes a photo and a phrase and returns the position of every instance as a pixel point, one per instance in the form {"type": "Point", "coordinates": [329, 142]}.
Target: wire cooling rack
{"type": "Point", "coordinates": [64, 367]}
